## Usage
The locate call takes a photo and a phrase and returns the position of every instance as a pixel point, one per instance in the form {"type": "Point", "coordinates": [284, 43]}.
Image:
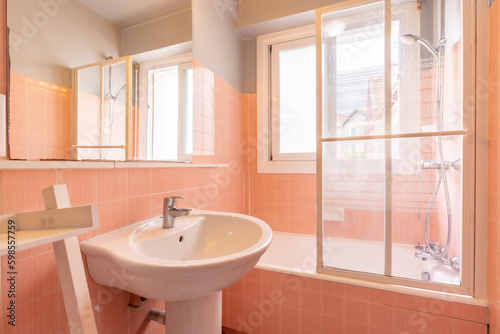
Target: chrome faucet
{"type": "Point", "coordinates": [170, 211]}
{"type": "Point", "coordinates": [426, 252]}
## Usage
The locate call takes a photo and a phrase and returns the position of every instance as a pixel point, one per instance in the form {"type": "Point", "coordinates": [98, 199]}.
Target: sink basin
{"type": "Point", "coordinates": [204, 253]}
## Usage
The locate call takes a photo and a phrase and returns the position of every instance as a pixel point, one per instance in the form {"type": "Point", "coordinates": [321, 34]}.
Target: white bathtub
{"type": "Point", "coordinates": [296, 253]}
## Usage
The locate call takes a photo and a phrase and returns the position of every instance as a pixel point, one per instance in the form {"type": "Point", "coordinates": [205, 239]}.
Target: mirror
{"type": "Point", "coordinates": [48, 38]}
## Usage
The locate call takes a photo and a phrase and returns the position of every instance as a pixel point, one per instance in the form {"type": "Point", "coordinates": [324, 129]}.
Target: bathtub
{"type": "Point", "coordinates": [296, 253]}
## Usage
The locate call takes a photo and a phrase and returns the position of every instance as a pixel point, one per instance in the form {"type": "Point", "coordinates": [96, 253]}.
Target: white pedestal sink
{"type": "Point", "coordinates": [187, 266]}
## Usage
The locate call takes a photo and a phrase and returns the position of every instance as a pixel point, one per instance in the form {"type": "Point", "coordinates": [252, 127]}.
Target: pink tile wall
{"type": "Point", "coordinates": [40, 116]}
{"type": "Point", "coordinates": [287, 202]}
{"type": "Point", "coordinates": [123, 196]}
{"type": "Point", "coordinates": [267, 302]}
{"type": "Point", "coordinates": [494, 169]}
{"type": "Point", "coordinates": [264, 301]}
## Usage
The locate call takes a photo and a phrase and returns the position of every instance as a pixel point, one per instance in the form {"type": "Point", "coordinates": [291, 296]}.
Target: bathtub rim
{"type": "Point", "coordinates": [446, 296]}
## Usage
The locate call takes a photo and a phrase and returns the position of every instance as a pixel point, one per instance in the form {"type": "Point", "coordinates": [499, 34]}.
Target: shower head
{"type": "Point", "coordinates": [410, 39]}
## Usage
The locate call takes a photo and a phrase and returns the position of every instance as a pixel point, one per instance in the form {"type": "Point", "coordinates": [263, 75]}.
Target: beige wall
{"type": "Point", "coordinates": [50, 37]}
{"type": "Point", "coordinates": [259, 17]}
{"type": "Point", "coordinates": [171, 29]}
{"type": "Point", "coordinates": [46, 41]}
{"type": "Point", "coordinates": [257, 11]}
{"type": "Point", "coordinates": [249, 66]}
{"type": "Point", "coordinates": [216, 44]}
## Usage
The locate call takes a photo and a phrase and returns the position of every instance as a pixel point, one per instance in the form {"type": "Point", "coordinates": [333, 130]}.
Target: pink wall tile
{"type": "Point", "coordinates": [139, 182]}
{"type": "Point", "coordinates": [313, 306]}
{"type": "Point", "coordinates": [471, 313]}
{"type": "Point", "coordinates": [113, 184]}
{"type": "Point", "coordinates": [40, 119]}
{"type": "Point", "coordinates": [22, 190]}
{"type": "Point", "coordinates": [112, 215]}
{"type": "Point", "coordinates": [466, 327]}
{"type": "Point", "coordinates": [162, 180]}
{"type": "Point", "coordinates": [139, 209]}
{"type": "Point", "coordinates": [38, 316]}
{"type": "Point", "coordinates": [42, 266]}
{"type": "Point", "coordinates": [112, 307]}
{"type": "Point", "coordinates": [381, 316]}
{"type": "Point", "coordinates": [82, 185]}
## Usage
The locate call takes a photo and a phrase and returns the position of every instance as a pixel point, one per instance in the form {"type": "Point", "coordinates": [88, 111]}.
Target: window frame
{"type": "Point", "coordinates": [275, 101]}
{"type": "Point", "coordinates": [264, 114]}
{"type": "Point", "coordinates": [183, 61]}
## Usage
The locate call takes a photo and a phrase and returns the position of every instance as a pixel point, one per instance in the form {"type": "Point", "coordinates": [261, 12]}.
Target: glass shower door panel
{"type": "Point", "coordinates": [353, 205]}
{"type": "Point", "coordinates": [101, 111]}
{"type": "Point", "coordinates": [114, 110]}
{"type": "Point", "coordinates": [427, 209]}
{"type": "Point", "coordinates": [353, 71]}
{"type": "Point", "coordinates": [89, 115]}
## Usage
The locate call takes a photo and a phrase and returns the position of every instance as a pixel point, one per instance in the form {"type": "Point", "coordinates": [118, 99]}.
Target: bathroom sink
{"type": "Point", "coordinates": [205, 252]}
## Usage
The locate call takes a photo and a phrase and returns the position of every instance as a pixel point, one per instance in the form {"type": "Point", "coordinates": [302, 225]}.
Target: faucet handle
{"type": "Point", "coordinates": [170, 202]}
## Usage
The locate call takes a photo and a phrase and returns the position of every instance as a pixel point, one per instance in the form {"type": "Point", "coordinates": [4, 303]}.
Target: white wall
{"type": "Point", "coordinates": [257, 11]}
{"type": "Point", "coordinates": [171, 29]}
{"type": "Point", "coordinates": [259, 17]}
{"type": "Point", "coordinates": [216, 44]}
{"type": "Point", "coordinates": [49, 37]}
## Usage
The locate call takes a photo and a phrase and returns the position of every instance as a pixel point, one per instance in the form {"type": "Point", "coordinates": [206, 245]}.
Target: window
{"type": "Point", "coordinates": [286, 102]}
{"type": "Point", "coordinates": [166, 109]}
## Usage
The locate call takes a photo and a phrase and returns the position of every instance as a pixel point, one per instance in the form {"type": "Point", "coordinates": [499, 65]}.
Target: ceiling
{"type": "Point", "coordinates": [129, 12]}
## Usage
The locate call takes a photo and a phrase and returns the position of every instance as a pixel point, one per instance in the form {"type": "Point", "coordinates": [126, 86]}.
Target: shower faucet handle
{"type": "Point", "coordinates": [455, 163]}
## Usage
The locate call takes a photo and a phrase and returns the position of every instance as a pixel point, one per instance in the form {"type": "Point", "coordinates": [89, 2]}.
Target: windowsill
{"type": "Point", "coordinates": [60, 164]}
{"type": "Point", "coordinates": [288, 167]}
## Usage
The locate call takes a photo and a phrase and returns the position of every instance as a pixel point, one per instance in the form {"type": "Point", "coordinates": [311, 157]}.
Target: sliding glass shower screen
{"type": "Point", "coordinates": [395, 143]}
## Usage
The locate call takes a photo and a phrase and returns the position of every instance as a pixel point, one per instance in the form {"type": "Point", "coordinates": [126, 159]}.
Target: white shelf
{"type": "Point", "coordinates": [34, 238]}
{"type": "Point", "coordinates": [55, 164]}
{"type": "Point", "coordinates": [42, 227]}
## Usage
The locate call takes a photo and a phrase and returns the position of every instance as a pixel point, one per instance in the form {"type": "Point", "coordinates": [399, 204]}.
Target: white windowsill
{"type": "Point", "coordinates": [27, 164]}
{"type": "Point", "coordinates": [285, 167]}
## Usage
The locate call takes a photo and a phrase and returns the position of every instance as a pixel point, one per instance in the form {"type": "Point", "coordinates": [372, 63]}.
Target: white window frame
{"type": "Point", "coordinates": [184, 61]}
{"type": "Point", "coordinates": [264, 163]}
{"type": "Point", "coordinates": [275, 101]}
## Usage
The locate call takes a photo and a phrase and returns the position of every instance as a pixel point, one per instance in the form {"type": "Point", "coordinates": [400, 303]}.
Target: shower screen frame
{"type": "Point", "coordinates": [468, 133]}
{"type": "Point", "coordinates": [128, 145]}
